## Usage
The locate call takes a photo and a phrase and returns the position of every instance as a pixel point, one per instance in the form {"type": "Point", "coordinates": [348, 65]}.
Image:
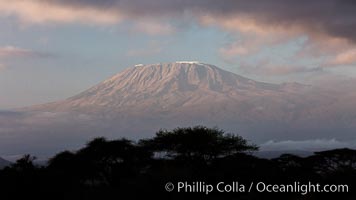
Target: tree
{"type": "Point", "coordinates": [337, 160]}
{"type": "Point", "coordinates": [198, 142]}
{"type": "Point", "coordinates": [25, 163]}
{"type": "Point", "coordinates": [102, 162]}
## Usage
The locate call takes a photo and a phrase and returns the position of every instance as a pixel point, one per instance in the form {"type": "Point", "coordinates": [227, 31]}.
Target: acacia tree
{"type": "Point", "coordinates": [334, 161]}
{"type": "Point", "coordinates": [197, 142]}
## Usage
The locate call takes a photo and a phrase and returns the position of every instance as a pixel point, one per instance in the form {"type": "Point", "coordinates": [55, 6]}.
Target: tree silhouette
{"type": "Point", "coordinates": [25, 163]}
{"type": "Point", "coordinates": [337, 160]}
{"type": "Point", "coordinates": [107, 169]}
{"type": "Point", "coordinates": [101, 162]}
{"type": "Point", "coordinates": [197, 143]}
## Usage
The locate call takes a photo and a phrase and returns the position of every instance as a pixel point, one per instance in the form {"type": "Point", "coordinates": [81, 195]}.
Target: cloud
{"type": "Point", "coordinates": [326, 17]}
{"type": "Point", "coordinates": [276, 70]}
{"type": "Point", "coordinates": [11, 51]}
{"type": "Point", "coordinates": [329, 25]}
{"type": "Point", "coordinates": [235, 49]}
{"type": "Point", "coordinates": [347, 57]}
{"type": "Point", "coordinates": [84, 12]}
{"type": "Point", "coordinates": [44, 11]}
{"type": "Point", "coordinates": [306, 145]}
{"type": "Point", "coordinates": [153, 28]}
{"type": "Point", "coordinates": [16, 52]}
{"type": "Point", "coordinates": [324, 24]}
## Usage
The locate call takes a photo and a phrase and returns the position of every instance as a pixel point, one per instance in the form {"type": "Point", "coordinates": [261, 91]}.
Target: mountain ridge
{"type": "Point", "coordinates": [164, 85]}
{"type": "Point", "coordinates": [4, 163]}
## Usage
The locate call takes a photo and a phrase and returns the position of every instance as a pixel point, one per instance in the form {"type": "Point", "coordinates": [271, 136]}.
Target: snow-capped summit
{"type": "Point", "coordinates": [168, 86]}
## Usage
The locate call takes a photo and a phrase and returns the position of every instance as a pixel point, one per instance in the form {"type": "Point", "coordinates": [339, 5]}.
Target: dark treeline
{"type": "Point", "coordinates": [122, 168]}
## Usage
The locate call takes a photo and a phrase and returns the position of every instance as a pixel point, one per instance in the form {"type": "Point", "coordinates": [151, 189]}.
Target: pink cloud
{"type": "Point", "coordinates": [153, 27]}
{"type": "Point", "coordinates": [40, 12]}
{"type": "Point", "coordinates": [252, 34]}
{"type": "Point", "coordinates": [11, 51]}
{"type": "Point", "coordinates": [268, 67]}
{"type": "Point", "coordinates": [347, 57]}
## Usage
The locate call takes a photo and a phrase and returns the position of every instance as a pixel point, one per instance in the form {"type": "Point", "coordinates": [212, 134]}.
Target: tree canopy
{"type": "Point", "coordinates": [197, 142]}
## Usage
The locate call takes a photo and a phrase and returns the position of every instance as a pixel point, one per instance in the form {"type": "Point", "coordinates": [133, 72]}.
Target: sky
{"type": "Point", "coordinates": [53, 49]}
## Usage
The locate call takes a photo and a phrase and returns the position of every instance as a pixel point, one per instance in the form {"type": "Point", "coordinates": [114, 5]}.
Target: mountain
{"type": "Point", "coordinates": [4, 163]}
{"type": "Point", "coordinates": [183, 92]}
{"type": "Point", "coordinates": [161, 87]}
{"type": "Point", "coordinates": [186, 92]}
{"type": "Point", "coordinates": [172, 87]}
{"type": "Point", "coordinates": [140, 100]}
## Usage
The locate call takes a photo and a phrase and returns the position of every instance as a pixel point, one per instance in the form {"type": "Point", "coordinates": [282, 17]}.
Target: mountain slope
{"type": "Point", "coordinates": [165, 87]}
{"type": "Point", "coordinates": [4, 163]}
{"type": "Point", "coordinates": [145, 98]}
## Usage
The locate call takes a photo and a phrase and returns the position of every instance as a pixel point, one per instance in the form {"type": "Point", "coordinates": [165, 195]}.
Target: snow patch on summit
{"type": "Point", "coordinates": [188, 62]}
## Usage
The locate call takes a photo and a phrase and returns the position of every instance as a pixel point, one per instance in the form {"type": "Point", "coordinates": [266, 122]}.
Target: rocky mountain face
{"type": "Point", "coordinates": [163, 86]}
{"type": "Point", "coordinates": [187, 91]}
{"type": "Point", "coordinates": [175, 87]}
